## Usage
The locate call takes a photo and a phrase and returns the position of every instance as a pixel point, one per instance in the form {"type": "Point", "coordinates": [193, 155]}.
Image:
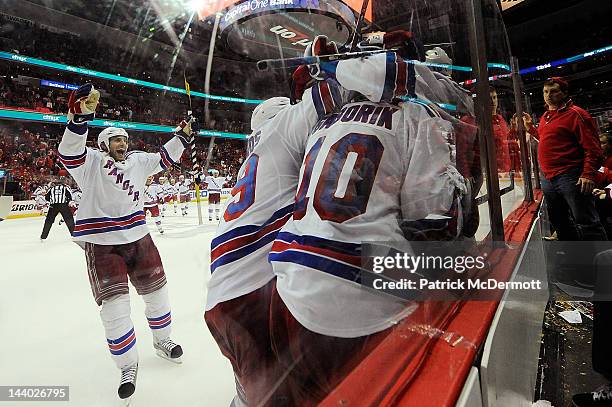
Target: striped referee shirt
{"type": "Point", "coordinates": [59, 194]}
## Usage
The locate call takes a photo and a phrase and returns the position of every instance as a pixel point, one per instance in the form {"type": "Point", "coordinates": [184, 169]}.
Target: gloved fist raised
{"type": "Point", "coordinates": [187, 126]}
{"type": "Point", "coordinates": [319, 46]}
{"type": "Point", "coordinates": [82, 104]}
{"type": "Point", "coordinates": [300, 81]}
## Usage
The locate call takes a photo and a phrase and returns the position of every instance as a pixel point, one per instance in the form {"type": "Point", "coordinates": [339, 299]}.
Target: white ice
{"type": "Point", "coordinates": [51, 331]}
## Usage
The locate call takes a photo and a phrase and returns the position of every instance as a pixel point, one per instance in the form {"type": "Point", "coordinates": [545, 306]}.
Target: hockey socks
{"type": "Point", "coordinates": [119, 329]}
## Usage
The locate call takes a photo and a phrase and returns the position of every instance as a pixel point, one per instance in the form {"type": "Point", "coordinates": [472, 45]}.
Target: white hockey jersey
{"type": "Point", "coordinates": [215, 184]}
{"type": "Point", "coordinates": [39, 194]}
{"type": "Point", "coordinates": [183, 187]}
{"type": "Point", "coordinates": [77, 195]}
{"type": "Point", "coordinates": [111, 210]}
{"type": "Point", "coordinates": [263, 197]}
{"type": "Point", "coordinates": [171, 189]}
{"type": "Point", "coordinates": [364, 173]}
{"type": "Point", "coordinates": [153, 193]}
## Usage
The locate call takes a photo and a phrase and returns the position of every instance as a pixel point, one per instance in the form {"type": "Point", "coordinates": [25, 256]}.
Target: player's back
{"type": "Point", "coordinates": [366, 169]}
{"type": "Point", "coordinates": [261, 202]}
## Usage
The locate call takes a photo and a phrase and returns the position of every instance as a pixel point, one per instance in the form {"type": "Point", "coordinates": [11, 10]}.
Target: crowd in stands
{"type": "Point", "coordinates": [155, 109]}
{"type": "Point", "coordinates": [29, 150]}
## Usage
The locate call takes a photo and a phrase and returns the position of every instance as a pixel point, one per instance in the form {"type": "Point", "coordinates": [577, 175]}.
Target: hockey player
{"type": "Point", "coordinates": [173, 193]}
{"type": "Point", "coordinates": [39, 198]}
{"type": "Point", "coordinates": [77, 194]}
{"type": "Point", "coordinates": [262, 200]}
{"type": "Point", "coordinates": [153, 196]}
{"type": "Point", "coordinates": [111, 223]}
{"type": "Point", "coordinates": [214, 184]}
{"type": "Point", "coordinates": [74, 203]}
{"type": "Point", "coordinates": [364, 176]}
{"type": "Point", "coordinates": [183, 187]}
{"type": "Point", "coordinates": [165, 193]}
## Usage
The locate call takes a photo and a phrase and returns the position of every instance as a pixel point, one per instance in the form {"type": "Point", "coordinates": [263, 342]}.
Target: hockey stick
{"type": "Point", "coordinates": [268, 64]}
{"type": "Point", "coordinates": [355, 39]}
{"type": "Point", "coordinates": [195, 167]}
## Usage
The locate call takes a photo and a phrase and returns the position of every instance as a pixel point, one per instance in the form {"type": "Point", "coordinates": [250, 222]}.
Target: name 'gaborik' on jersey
{"type": "Point", "coordinates": [263, 197]}
{"type": "Point", "coordinates": [111, 209]}
{"type": "Point", "coordinates": [363, 175]}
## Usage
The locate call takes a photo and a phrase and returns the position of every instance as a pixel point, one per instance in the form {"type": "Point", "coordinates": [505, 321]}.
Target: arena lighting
{"type": "Point", "coordinates": [548, 65]}
{"type": "Point", "coordinates": [564, 61]}
{"type": "Point", "coordinates": [207, 8]}
{"type": "Point", "coordinates": [56, 118]}
{"type": "Point", "coordinates": [117, 78]}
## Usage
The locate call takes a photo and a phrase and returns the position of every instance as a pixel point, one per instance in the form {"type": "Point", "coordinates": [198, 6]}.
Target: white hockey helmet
{"type": "Point", "coordinates": [267, 110]}
{"type": "Point", "coordinates": [108, 133]}
{"type": "Point", "coordinates": [213, 172]}
{"type": "Point", "coordinates": [437, 55]}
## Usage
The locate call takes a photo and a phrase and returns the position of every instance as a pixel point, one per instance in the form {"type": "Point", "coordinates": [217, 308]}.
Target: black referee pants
{"type": "Point", "coordinates": [54, 209]}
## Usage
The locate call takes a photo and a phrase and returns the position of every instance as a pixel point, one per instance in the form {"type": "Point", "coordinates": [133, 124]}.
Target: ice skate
{"type": "Point", "coordinates": [168, 350]}
{"type": "Point", "coordinates": [127, 386]}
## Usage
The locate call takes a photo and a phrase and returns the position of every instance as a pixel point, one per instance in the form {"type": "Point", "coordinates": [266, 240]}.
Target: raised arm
{"type": "Point", "coordinates": [171, 152]}
{"type": "Point", "coordinates": [72, 151]}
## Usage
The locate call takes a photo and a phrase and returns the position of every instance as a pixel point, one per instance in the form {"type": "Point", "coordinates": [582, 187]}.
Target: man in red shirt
{"type": "Point", "coordinates": [570, 156]}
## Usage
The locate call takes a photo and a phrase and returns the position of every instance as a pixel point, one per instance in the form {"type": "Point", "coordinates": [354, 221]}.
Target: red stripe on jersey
{"type": "Point", "coordinates": [328, 101]}
{"type": "Point", "coordinates": [400, 83]}
{"type": "Point", "coordinates": [280, 246]}
{"type": "Point", "coordinates": [239, 241]}
{"type": "Point", "coordinates": [96, 225]}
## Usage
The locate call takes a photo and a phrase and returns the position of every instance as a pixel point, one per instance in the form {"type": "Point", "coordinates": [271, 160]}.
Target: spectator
{"type": "Point", "coordinates": [569, 155]}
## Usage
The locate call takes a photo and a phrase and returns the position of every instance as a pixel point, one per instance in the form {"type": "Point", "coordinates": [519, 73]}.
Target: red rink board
{"type": "Point", "coordinates": [419, 367]}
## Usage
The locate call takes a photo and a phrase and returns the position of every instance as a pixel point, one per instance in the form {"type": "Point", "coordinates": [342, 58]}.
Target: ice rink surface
{"type": "Point", "coordinates": [52, 333]}
{"type": "Point", "coordinates": [51, 329]}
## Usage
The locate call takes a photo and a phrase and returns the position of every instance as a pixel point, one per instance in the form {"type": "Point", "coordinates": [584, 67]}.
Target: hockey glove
{"type": "Point", "coordinates": [186, 128]}
{"type": "Point", "coordinates": [304, 75]}
{"type": "Point", "coordinates": [82, 104]}
{"type": "Point", "coordinates": [321, 46]}
{"type": "Point", "coordinates": [300, 81]}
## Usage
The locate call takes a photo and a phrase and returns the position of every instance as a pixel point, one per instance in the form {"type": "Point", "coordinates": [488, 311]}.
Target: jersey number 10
{"type": "Point", "coordinates": [344, 185]}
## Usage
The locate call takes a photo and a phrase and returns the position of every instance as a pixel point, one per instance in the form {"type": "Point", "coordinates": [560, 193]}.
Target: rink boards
{"type": "Point", "coordinates": [27, 209]}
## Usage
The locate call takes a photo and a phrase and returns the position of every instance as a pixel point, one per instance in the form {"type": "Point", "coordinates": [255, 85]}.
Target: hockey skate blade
{"type": "Point", "coordinates": [128, 402]}
{"type": "Point", "coordinates": [162, 355]}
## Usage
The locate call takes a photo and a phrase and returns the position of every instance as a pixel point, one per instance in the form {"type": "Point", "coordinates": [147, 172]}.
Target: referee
{"type": "Point", "coordinates": [58, 197]}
